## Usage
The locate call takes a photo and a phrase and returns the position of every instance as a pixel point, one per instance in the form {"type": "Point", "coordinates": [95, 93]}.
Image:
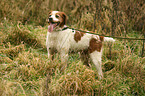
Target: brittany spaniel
{"type": "Point", "coordinates": [63, 40]}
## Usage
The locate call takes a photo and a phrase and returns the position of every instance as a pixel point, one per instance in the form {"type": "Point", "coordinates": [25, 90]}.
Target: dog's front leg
{"type": "Point", "coordinates": [47, 45]}
{"type": "Point", "coordinates": [48, 52]}
{"type": "Point", "coordinates": [51, 53]}
{"type": "Point", "coordinates": [64, 58]}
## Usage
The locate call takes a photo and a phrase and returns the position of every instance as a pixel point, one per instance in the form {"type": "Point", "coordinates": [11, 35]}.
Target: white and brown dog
{"type": "Point", "coordinates": [61, 39]}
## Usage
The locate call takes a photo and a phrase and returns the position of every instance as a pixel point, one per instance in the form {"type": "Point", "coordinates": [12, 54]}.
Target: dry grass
{"type": "Point", "coordinates": [76, 80]}
{"type": "Point", "coordinates": [26, 70]}
{"type": "Point", "coordinates": [12, 52]}
{"type": "Point", "coordinates": [18, 36]}
{"type": "Point", "coordinates": [124, 17]}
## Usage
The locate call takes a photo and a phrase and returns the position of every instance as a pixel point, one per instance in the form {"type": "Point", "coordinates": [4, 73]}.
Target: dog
{"type": "Point", "coordinates": [63, 40]}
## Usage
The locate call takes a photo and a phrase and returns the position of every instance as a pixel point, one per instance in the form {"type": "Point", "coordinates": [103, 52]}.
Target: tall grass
{"type": "Point", "coordinates": [26, 70]}
{"type": "Point", "coordinates": [117, 15]}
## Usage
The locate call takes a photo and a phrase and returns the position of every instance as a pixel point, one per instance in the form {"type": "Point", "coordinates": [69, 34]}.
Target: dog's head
{"type": "Point", "coordinates": [56, 18]}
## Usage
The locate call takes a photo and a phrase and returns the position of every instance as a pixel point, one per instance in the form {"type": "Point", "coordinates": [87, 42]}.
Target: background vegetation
{"type": "Point", "coordinates": [26, 70]}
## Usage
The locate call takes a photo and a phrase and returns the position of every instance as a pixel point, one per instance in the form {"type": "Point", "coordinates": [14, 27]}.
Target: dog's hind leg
{"type": "Point", "coordinates": [85, 57]}
{"type": "Point", "coordinates": [96, 59]}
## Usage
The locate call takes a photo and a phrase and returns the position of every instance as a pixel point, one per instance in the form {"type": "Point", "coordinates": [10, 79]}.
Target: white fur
{"type": "Point", "coordinates": [53, 16]}
{"type": "Point", "coordinates": [108, 39]}
{"type": "Point", "coordinates": [96, 59]}
{"type": "Point", "coordinates": [64, 40]}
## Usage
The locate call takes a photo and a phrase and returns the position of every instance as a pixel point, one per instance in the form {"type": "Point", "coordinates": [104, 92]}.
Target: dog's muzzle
{"type": "Point", "coordinates": [50, 19]}
{"type": "Point", "coordinates": [52, 24]}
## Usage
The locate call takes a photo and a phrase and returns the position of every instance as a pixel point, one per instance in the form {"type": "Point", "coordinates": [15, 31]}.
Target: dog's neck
{"type": "Point", "coordinates": [64, 27]}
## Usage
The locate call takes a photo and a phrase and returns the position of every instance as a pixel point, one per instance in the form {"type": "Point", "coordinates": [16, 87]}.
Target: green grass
{"type": "Point", "coordinates": [24, 67]}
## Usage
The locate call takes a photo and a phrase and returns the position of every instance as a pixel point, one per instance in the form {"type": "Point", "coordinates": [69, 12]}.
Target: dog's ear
{"type": "Point", "coordinates": [49, 13]}
{"type": "Point", "coordinates": [64, 17]}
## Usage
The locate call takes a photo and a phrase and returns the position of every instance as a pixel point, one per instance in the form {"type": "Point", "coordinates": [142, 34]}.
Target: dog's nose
{"type": "Point", "coordinates": [50, 19]}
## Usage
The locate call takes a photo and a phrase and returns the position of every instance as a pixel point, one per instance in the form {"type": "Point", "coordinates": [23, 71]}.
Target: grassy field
{"type": "Point", "coordinates": [25, 69]}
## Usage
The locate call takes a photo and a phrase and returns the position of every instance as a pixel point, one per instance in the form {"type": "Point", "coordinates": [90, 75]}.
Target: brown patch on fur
{"type": "Point", "coordinates": [101, 38]}
{"type": "Point", "coordinates": [49, 13]}
{"type": "Point", "coordinates": [62, 18]}
{"type": "Point", "coordinates": [78, 35]}
{"type": "Point", "coordinates": [95, 45]}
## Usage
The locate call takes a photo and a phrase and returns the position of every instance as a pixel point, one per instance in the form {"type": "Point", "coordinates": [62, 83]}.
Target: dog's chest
{"type": "Point", "coordinates": [59, 39]}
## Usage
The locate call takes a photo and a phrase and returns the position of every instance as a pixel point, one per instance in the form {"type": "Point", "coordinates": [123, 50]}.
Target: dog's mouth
{"type": "Point", "coordinates": [52, 26]}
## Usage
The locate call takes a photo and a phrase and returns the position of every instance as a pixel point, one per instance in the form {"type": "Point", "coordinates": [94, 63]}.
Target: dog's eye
{"type": "Point", "coordinates": [49, 15]}
{"type": "Point", "coordinates": [57, 16]}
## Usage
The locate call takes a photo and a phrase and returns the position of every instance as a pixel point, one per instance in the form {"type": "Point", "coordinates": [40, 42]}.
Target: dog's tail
{"type": "Point", "coordinates": [104, 39]}
{"type": "Point", "coordinates": [109, 39]}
